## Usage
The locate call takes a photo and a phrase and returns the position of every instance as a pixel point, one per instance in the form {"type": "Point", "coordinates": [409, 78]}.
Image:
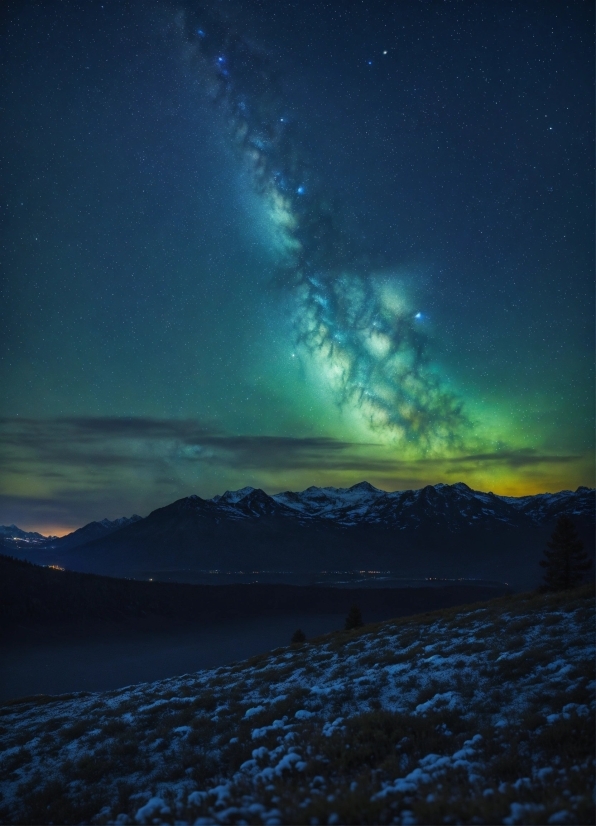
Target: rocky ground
{"type": "Point", "coordinates": [478, 714]}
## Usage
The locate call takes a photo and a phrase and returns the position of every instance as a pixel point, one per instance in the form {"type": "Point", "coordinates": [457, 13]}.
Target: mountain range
{"type": "Point", "coordinates": [13, 536]}
{"type": "Point", "coordinates": [448, 531]}
{"type": "Point", "coordinates": [11, 532]}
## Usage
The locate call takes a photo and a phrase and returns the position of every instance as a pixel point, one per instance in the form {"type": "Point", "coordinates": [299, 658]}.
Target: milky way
{"type": "Point", "coordinates": [280, 244]}
{"type": "Point", "coordinates": [359, 330]}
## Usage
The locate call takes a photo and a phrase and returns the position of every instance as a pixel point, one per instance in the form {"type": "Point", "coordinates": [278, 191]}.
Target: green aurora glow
{"type": "Point", "coordinates": [283, 269]}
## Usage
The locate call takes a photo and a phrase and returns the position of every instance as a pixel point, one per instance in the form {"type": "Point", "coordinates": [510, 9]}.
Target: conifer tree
{"type": "Point", "coordinates": [354, 618]}
{"type": "Point", "coordinates": [565, 561]}
{"type": "Point", "coordinates": [299, 636]}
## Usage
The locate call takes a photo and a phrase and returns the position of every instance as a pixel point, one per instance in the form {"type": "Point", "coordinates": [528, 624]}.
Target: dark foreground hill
{"type": "Point", "coordinates": [481, 714]}
{"type": "Point", "coordinates": [32, 594]}
{"type": "Point", "coordinates": [445, 531]}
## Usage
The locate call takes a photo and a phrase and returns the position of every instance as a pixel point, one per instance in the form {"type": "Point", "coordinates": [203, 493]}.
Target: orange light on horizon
{"type": "Point", "coordinates": [50, 530]}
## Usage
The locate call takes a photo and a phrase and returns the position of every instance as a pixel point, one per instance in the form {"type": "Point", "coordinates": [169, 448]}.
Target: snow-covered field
{"type": "Point", "coordinates": [482, 714]}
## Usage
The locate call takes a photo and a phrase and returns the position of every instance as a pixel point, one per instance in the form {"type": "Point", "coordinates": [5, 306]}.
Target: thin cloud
{"type": "Point", "coordinates": [137, 442]}
{"type": "Point", "coordinates": [118, 441]}
{"type": "Point", "coordinates": [515, 458]}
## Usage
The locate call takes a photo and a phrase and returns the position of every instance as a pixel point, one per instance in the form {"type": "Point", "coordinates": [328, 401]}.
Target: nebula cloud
{"type": "Point", "coordinates": [362, 336]}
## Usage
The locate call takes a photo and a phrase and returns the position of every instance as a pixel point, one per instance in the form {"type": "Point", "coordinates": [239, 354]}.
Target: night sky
{"type": "Point", "coordinates": [290, 243]}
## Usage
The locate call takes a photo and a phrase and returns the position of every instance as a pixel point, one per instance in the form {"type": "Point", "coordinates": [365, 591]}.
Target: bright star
{"type": "Point", "coordinates": [300, 190]}
{"type": "Point", "coordinates": [418, 315]}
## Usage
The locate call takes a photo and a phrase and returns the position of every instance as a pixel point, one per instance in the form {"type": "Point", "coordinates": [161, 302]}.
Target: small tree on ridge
{"type": "Point", "coordinates": [354, 618]}
{"type": "Point", "coordinates": [565, 562]}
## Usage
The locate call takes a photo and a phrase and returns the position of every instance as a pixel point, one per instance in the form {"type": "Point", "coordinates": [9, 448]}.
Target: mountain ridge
{"type": "Point", "coordinates": [251, 501]}
{"type": "Point", "coordinates": [437, 531]}
{"type": "Point", "coordinates": [80, 536]}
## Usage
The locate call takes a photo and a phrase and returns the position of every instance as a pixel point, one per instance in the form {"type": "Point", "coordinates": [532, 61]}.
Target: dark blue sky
{"type": "Point", "coordinates": [313, 244]}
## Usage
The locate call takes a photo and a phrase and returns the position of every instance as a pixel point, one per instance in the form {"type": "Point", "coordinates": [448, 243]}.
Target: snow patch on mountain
{"type": "Point", "coordinates": [232, 497]}
{"type": "Point", "coordinates": [331, 502]}
{"type": "Point", "coordinates": [365, 503]}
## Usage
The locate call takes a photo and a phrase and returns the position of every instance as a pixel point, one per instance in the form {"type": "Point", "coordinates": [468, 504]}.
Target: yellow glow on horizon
{"type": "Point", "coordinates": [46, 529]}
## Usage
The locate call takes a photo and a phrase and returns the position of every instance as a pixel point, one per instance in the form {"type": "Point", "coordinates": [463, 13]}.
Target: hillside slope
{"type": "Point", "coordinates": [35, 595]}
{"type": "Point", "coordinates": [481, 714]}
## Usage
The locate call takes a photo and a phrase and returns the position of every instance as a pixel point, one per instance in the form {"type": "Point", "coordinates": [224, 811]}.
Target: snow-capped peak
{"type": "Point", "coordinates": [365, 487]}
{"type": "Point", "coordinates": [231, 497]}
